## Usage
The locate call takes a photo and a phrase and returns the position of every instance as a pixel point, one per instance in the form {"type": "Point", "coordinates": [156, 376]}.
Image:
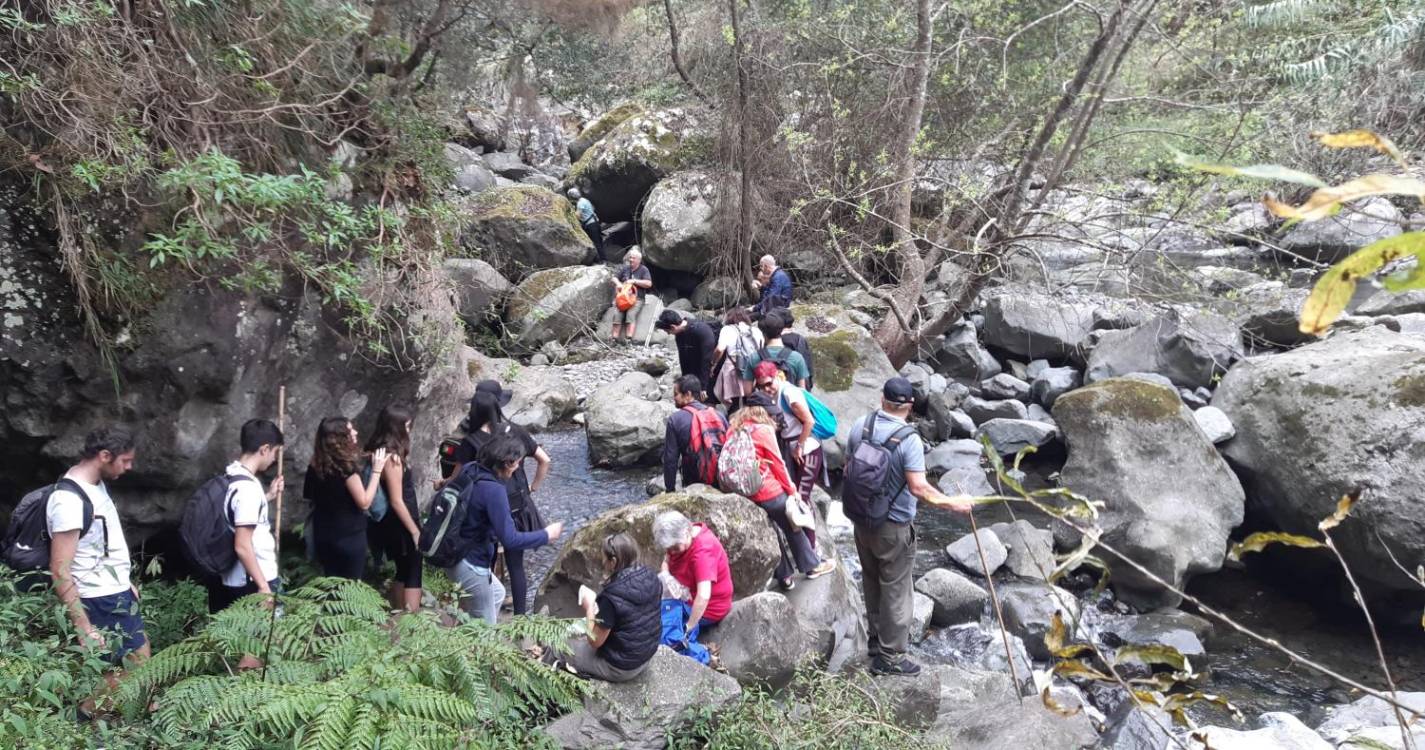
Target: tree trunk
{"type": "Point", "coordinates": [743, 250]}
{"type": "Point", "coordinates": [677, 57]}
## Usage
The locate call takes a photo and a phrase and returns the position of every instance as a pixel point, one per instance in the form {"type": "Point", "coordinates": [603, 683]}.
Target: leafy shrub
{"type": "Point", "coordinates": [173, 611]}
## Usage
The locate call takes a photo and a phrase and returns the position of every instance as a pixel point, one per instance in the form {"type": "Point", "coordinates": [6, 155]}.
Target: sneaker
{"type": "Point", "coordinates": [825, 567]}
{"type": "Point", "coordinates": [898, 666]}
{"type": "Point", "coordinates": [787, 583]}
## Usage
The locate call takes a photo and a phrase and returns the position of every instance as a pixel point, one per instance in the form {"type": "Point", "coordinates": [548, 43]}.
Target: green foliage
{"type": "Point", "coordinates": [173, 611]}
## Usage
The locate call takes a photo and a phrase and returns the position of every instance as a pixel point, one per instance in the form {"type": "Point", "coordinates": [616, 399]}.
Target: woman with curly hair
{"type": "Point", "coordinates": [339, 498]}
{"type": "Point", "coordinates": [398, 533]}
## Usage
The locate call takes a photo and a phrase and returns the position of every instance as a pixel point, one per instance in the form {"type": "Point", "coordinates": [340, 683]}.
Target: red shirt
{"type": "Point", "coordinates": [705, 560]}
{"type": "Point", "coordinates": [775, 479]}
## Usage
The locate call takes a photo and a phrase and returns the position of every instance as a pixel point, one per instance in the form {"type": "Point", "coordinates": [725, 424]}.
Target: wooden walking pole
{"type": "Point", "coordinates": [999, 616]}
{"type": "Point", "coordinates": [281, 485]}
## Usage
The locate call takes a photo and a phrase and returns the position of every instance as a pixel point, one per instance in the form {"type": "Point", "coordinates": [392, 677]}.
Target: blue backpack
{"type": "Point", "coordinates": [823, 421]}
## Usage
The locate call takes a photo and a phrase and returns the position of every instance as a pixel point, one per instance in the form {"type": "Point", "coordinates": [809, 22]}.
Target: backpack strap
{"type": "Point", "coordinates": [230, 494]}
{"type": "Point", "coordinates": [898, 437]}
{"type": "Point", "coordinates": [88, 508]}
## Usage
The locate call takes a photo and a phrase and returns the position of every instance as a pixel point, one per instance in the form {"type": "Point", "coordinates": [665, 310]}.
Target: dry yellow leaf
{"type": "Point", "coordinates": [1343, 509]}
{"type": "Point", "coordinates": [1055, 706]}
{"type": "Point", "coordinates": [1324, 201]}
{"type": "Point", "coordinates": [1361, 139]}
{"type": "Point", "coordinates": [1334, 289]}
{"type": "Point", "coordinates": [1263, 539]}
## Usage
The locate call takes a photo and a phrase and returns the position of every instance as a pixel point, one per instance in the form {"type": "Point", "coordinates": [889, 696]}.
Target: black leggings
{"type": "Point", "coordinates": [344, 557]}
{"type": "Point", "coordinates": [797, 548]}
{"type": "Point", "coordinates": [519, 582]}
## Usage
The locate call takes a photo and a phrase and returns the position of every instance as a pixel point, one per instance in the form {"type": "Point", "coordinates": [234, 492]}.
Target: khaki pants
{"type": "Point", "coordinates": [887, 555]}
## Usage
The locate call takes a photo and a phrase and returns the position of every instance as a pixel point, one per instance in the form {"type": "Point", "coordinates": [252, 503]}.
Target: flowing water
{"type": "Point", "coordinates": [1253, 677]}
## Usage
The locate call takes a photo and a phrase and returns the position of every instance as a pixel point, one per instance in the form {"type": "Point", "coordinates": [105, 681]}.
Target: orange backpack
{"type": "Point", "coordinates": [626, 297]}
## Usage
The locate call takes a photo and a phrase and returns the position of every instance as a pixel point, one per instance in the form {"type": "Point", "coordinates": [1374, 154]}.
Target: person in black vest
{"type": "Point", "coordinates": [696, 344]}
{"type": "Point", "coordinates": [623, 621]}
{"type": "Point", "coordinates": [797, 343]}
{"type": "Point", "coordinates": [678, 437]}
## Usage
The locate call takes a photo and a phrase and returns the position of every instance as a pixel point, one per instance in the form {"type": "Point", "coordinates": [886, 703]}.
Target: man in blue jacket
{"type": "Point", "coordinates": [488, 522]}
{"type": "Point", "coordinates": [776, 286]}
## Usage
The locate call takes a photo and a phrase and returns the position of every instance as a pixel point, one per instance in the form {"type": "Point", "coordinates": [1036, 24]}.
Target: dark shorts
{"type": "Point", "coordinates": [221, 596]}
{"type": "Point", "coordinates": [118, 616]}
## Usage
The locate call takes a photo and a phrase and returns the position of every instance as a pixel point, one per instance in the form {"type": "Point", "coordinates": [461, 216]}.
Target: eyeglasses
{"type": "Point", "coordinates": [767, 385]}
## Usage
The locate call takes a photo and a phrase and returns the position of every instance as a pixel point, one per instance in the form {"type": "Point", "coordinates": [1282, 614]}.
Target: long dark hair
{"type": "Point", "coordinates": [484, 409]}
{"type": "Point", "coordinates": [622, 549]}
{"type": "Point", "coordinates": [391, 432]}
{"type": "Point", "coordinates": [334, 454]}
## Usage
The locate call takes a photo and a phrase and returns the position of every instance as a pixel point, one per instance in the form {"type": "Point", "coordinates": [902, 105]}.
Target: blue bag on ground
{"type": "Point", "coordinates": [675, 613]}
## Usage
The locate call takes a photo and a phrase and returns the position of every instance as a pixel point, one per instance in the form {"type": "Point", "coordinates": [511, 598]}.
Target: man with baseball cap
{"type": "Point", "coordinates": [886, 546]}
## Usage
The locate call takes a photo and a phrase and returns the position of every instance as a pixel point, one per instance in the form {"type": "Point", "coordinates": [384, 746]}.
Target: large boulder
{"type": "Point", "coordinates": [626, 428]}
{"type": "Point", "coordinates": [1371, 718]}
{"type": "Point", "coordinates": [751, 546]}
{"type": "Point", "coordinates": [600, 127]}
{"type": "Point", "coordinates": [640, 714]}
{"type": "Point", "coordinates": [524, 228]}
{"type": "Point", "coordinates": [1332, 239]}
{"type": "Point", "coordinates": [620, 169]}
{"type": "Point", "coordinates": [760, 641]}
{"type": "Point", "coordinates": [1170, 500]}
{"type": "Point", "coordinates": [830, 609]}
{"type": "Point", "coordinates": [1277, 731]}
{"type": "Point", "coordinates": [1029, 610]}
{"type": "Point", "coordinates": [719, 293]}
{"type": "Point", "coordinates": [558, 304]}
{"type": "Point", "coordinates": [480, 290]}
{"type": "Point", "coordinates": [1010, 436]}
{"type": "Point", "coordinates": [1341, 415]}
{"type": "Point", "coordinates": [912, 702]}
{"type": "Point", "coordinates": [957, 598]}
{"type": "Point", "coordinates": [542, 397]}
{"type": "Point", "coordinates": [983, 711]}
{"type": "Point", "coordinates": [1035, 325]}
{"type": "Point", "coordinates": [1188, 349]}
{"type": "Point", "coordinates": [851, 368]}
{"type": "Point", "coordinates": [1030, 549]}
{"type": "Point", "coordinates": [961, 356]}
{"type": "Point", "coordinates": [470, 173]}
{"type": "Point", "coordinates": [678, 222]}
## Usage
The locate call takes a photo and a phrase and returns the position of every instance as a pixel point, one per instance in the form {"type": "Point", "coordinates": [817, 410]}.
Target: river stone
{"type": "Point", "coordinates": [760, 641]}
{"type": "Point", "coordinates": [1169, 627]}
{"type": "Point", "coordinates": [526, 227]}
{"type": "Point", "coordinates": [945, 420]}
{"type": "Point", "coordinates": [965, 480]}
{"type": "Point", "coordinates": [1005, 385]}
{"type": "Point", "coordinates": [1034, 325]}
{"type": "Point", "coordinates": [508, 165]}
{"type": "Point", "coordinates": [617, 172]}
{"type": "Point", "coordinates": [1342, 414]}
{"type": "Point", "coordinates": [640, 714]}
{"type": "Point", "coordinates": [480, 290]}
{"type": "Point", "coordinates": [1030, 550]}
{"type": "Point", "coordinates": [1029, 609]}
{"type": "Point", "coordinates": [542, 397]}
{"type": "Point", "coordinates": [913, 701]}
{"type": "Point", "coordinates": [751, 546]}
{"type": "Point", "coordinates": [470, 173]}
{"type": "Point", "coordinates": [1215, 425]}
{"type": "Point", "coordinates": [1279, 731]}
{"type": "Point", "coordinates": [625, 422]}
{"type": "Point", "coordinates": [1037, 413]}
{"type": "Point", "coordinates": [1010, 436]}
{"type": "Point", "coordinates": [1273, 318]}
{"type": "Point", "coordinates": [966, 554]}
{"type": "Point", "coordinates": [679, 226]}
{"type": "Point", "coordinates": [1052, 382]}
{"type": "Point", "coordinates": [1193, 399]}
{"type": "Point", "coordinates": [1170, 499]}
{"type": "Point", "coordinates": [953, 454]}
{"type": "Point", "coordinates": [830, 610]}
{"type": "Point", "coordinates": [1135, 727]}
{"type": "Point", "coordinates": [961, 356]}
{"type": "Point", "coordinates": [982, 711]}
{"type": "Point", "coordinates": [1368, 714]}
{"type": "Point", "coordinates": [1333, 238]}
{"type": "Point", "coordinates": [922, 608]}
{"type": "Point", "coordinates": [982, 411]}
{"type": "Point", "coordinates": [1393, 303]}
{"type": "Point", "coordinates": [558, 304]}
{"type": "Point", "coordinates": [1188, 349]}
{"type": "Point", "coordinates": [957, 598]}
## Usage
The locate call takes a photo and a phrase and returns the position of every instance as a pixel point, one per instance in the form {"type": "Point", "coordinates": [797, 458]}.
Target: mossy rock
{"type": "Point", "coordinates": [601, 127]}
{"type": "Point", "coordinates": [617, 172]}
{"type": "Point", "coordinates": [558, 304]}
{"type": "Point", "coordinates": [1122, 398]}
{"type": "Point", "coordinates": [836, 360]}
{"type": "Point", "coordinates": [522, 228]}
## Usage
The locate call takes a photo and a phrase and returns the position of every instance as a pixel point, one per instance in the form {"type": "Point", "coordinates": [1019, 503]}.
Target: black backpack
{"type": "Point", "coordinates": [443, 533]}
{"type": "Point", "coordinates": [206, 531]}
{"type": "Point", "coordinates": [867, 488]}
{"type": "Point", "coordinates": [782, 359]}
{"type": "Point", "coordinates": [27, 537]}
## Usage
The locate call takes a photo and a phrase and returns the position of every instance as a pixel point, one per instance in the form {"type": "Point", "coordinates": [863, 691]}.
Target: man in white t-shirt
{"type": "Point", "coordinates": [256, 568]}
{"type": "Point", "coordinates": [91, 567]}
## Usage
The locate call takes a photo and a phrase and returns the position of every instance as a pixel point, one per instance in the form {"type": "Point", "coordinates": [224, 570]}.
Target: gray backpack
{"type": "Point", "coordinates": [867, 487]}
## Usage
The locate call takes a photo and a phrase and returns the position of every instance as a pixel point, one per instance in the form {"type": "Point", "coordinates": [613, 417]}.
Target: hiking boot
{"type": "Point", "coordinates": [787, 584]}
{"type": "Point", "coordinates": [899, 666]}
{"type": "Point", "coordinates": [825, 567]}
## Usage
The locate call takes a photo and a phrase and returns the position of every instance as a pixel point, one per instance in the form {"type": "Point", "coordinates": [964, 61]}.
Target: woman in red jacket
{"type": "Point", "coordinates": [777, 490]}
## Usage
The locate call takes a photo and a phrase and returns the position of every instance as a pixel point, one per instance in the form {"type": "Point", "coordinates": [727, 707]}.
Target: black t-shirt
{"type": "Point", "coordinates": [518, 485]}
{"type": "Point", "coordinates": [640, 274]}
{"type": "Point", "coordinates": [335, 514]}
{"type": "Point", "coordinates": [696, 345]}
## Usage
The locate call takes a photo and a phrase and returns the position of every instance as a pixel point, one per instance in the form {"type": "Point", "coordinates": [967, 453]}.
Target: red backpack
{"type": "Point", "coordinates": [705, 441]}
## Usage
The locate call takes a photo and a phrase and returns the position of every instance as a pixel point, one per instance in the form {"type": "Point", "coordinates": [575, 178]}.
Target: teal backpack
{"type": "Point", "coordinates": [823, 421]}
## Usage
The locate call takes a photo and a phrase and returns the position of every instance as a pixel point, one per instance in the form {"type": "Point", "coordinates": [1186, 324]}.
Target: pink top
{"type": "Point", "coordinates": [775, 479]}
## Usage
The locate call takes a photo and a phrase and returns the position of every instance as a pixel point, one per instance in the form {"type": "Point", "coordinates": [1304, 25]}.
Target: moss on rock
{"type": "Point", "coordinates": [1124, 398]}
{"type": "Point", "coordinates": [836, 360]}
{"type": "Point", "coordinates": [606, 123]}
{"type": "Point", "coordinates": [537, 287]}
{"type": "Point", "coordinates": [527, 203]}
{"type": "Point", "coordinates": [1410, 389]}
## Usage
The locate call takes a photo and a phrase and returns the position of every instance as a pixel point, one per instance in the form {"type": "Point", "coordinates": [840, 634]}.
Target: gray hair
{"type": "Point", "coordinates": [669, 528]}
{"type": "Point", "coordinates": [768, 260]}
{"type": "Point", "coordinates": [574, 193]}
{"type": "Point", "coordinates": [634, 252]}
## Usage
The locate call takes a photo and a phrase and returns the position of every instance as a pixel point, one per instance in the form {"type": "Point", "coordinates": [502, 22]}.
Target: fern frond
{"type": "Point", "coordinates": [1280, 12]}
{"type": "Point", "coordinates": [185, 659]}
{"type": "Point", "coordinates": [329, 731]}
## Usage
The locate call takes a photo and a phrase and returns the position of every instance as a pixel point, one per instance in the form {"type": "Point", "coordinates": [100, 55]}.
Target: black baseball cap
{"type": "Point", "coordinates": [667, 319]}
{"type": "Point", "coordinates": [898, 391]}
{"type": "Point", "coordinates": [493, 388]}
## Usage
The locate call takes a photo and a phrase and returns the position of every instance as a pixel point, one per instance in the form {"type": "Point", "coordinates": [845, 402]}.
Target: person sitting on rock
{"type": "Point", "coordinates": [678, 435]}
{"type": "Point", "coordinates": [622, 621]}
{"type": "Point", "coordinates": [775, 285]}
{"type": "Point", "coordinates": [635, 273]}
{"type": "Point", "coordinates": [694, 557]}
{"type": "Point", "coordinates": [696, 344]}
{"type": "Point", "coordinates": [589, 221]}
{"type": "Point", "coordinates": [798, 544]}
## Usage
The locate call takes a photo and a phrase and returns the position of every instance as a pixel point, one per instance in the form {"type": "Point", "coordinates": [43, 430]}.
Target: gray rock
{"type": "Point", "coordinates": [1034, 368]}
{"type": "Point", "coordinates": [830, 610]}
{"type": "Point", "coordinates": [1034, 325]}
{"type": "Point", "coordinates": [473, 178]}
{"type": "Point", "coordinates": [1367, 714]}
{"type": "Point", "coordinates": [1052, 382]}
{"type": "Point", "coordinates": [640, 713]}
{"type": "Point", "coordinates": [937, 383]}
{"type": "Point", "coordinates": [1018, 369]}
{"type": "Point", "coordinates": [480, 128]}
{"type": "Point", "coordinates": [953, 454]}
{"type": "Point", "coordinates": [1279, 731]}
{"type": "Point", "coordinates": [922, 607]}
{"type": "Point", "coordinates": [1369, 387]}
{"type": "Point", "coordinates": [682, 305]}
{"type": "Point", "coordinates": [618, 171]}
{"type": "Point", "coordinates": [719, 293]}
{"type": "Point", "coordinates": [1134, 727]}
{"type": "Point", "coordinates": [558, 304]}
{"type": "Point", "coordinates": [1151, 377]}
{"type": "Point", "coordinates": [913, 702]}
{"type": "Point", "coordinates": [508, 165]}
{"type": "Point", "coordinates": [760, 641]}
{"type": "Point", "coordinates": [982, 411]}
{"type": "Point", "coordinates": [542, 397]}
{"type": "Point", "coordinates": [957, 598]}
{"type": "Point", "coordinates": [1029, 610]}
{"type": "Point", "coordinates": [1222, 279]}
{"type": "Point", "coordinates": [1215, 425]}
{"type": "Point", "coordinates": [1190, 350]}
{"type": "Point", "coordinates": [982, 711]}
{"type": "Point", "coordinates": [1170, 627]}
{"type": "Point", "coordinates": [524, 228]}
{"type": "Point", "coordinates": [965, 480]}
{"type": "Point", "coordinates": [918, 376]}
{"type": "Point", "coordinates": [1247, 224]}
{"type": "Point", "coordinates": [1301, 278]}
{"type": "Point", "coordinates": [961, 426]}
{"type": "Point", "coordinates": [1030, 550]}
{"type": "Point", "coordinates": [1393, 303]}
{"type": "Point", "coordinates": [1192, 399]}
{"type": "Point", "coordinates": [653, 487]}
{"type": "Point", "coordinates": [624, 426]}
{"type": "Point", "coordinates": [1170, 499]}
{"type": "Point", "coordinates": [555, 351]}
{"type": "Point", "coordinates": [1005, 386]}
{"type": "Point", "coordinates": [1010, 436]}
{"type": "Point", "coordinates": [539, 360]}
{"type": "Point", "coordinates": [1037, 413]}
{"type": "Point", "coordinates": [1274, 317]}
{"type": "Point", "coordinates": [965, 553]}
{"type": "Point", "coordinates": [644, 328]}
{"type": "Point", "coordinates": [599, 127]}
{"type": "Point", "coordinates": [480, 290]}
{"type": "Point", "coordinates": [961, 356]}
{"type": "Point", "coordinates": [1332, 239]}
{"type": "Point", "coordinates": [1408, 323]}
{"type": "Point", "coordinates": [678, 222]}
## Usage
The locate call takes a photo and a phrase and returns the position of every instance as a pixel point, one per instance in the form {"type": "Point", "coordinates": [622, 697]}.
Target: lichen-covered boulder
{"type": "Point", "coordinates": [1170, 500]}
{"type": "Point", "coordinates": [600, 127]}
{"type": "Point", "coordinates": [480, 290]}
{"type": "Point", "coordinates": [1333, 238]}
{"type": "Point", "coordinates": [558, 304]}
{"type": "Point", "coordinates": [1340, 415]}
{"type": "Point", "coordinates": [619, 170]}
{"type": "Point", "coordinates": [524, 228]}
{"type": "Point", "coordinates": [760, 642]}
{"type": "Point", "coordinates": [719, 293]}
{"type": "Point", "coordinates": [1034, 325]}
{"type": "Point", "coordinates": [678, 222]}
{"type": "Point", "coordinates": [751, 546]}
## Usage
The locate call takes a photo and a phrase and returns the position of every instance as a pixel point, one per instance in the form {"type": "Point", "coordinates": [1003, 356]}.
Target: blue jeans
{"type": "Point", "coordinates": [117, 614]}
{"type": "Point", "coordinates": [483, 591]}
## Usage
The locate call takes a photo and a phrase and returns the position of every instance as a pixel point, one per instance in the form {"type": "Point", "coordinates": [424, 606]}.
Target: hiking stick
{"type": "Point", "coordinates": [281, 486]}
{"type": "Point", "coordinates": [994, 599]}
